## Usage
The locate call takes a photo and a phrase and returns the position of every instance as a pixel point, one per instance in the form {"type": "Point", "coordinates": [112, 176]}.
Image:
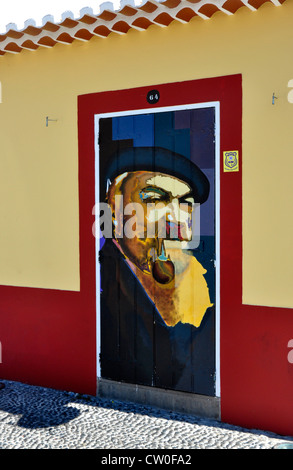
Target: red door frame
{"type": "Point", "coordinates": [225, 90]}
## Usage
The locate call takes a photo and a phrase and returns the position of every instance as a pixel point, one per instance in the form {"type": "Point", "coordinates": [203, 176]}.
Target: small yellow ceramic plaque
{"type": "Point", "coordinates": [231, 161]}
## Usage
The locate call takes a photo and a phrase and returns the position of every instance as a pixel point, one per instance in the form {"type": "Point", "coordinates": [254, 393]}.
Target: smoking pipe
{"type": "Point", "coordinates": [163, 268]}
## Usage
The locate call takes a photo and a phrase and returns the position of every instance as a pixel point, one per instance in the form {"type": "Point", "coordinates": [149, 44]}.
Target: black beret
{"type": "Point", "coordinates": [157, 159]}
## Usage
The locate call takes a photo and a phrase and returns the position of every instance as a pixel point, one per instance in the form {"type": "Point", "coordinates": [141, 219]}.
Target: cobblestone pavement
{"type": "Point", "coordinates": [40, 418]}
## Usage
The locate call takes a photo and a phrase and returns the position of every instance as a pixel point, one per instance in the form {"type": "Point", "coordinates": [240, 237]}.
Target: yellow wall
{"type": "Point", "coordinates": [39, 244]}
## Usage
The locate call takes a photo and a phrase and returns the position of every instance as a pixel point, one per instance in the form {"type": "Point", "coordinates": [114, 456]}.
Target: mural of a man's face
{"type": "Point", "coordinates": [157, 207]}
{"type": "Point", "coordinates": [155, 174]}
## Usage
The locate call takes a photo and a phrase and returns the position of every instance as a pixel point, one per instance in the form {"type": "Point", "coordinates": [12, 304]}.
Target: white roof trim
{"type": "Point", "coordinates": [108, 20]}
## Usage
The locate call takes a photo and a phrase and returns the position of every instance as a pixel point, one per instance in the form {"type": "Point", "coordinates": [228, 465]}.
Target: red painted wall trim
{"type": "Point", "coordinates": [48, 338]}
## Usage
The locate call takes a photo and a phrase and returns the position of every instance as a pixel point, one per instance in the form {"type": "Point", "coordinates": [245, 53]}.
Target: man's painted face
{"type": "Point", "coordinates": [169, 203]}
{"type": "Point", "coordinates": [150, 206]}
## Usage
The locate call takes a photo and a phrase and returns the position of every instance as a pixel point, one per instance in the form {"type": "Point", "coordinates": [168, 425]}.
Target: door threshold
{"type": "Point", "coordinates": [177, 401]}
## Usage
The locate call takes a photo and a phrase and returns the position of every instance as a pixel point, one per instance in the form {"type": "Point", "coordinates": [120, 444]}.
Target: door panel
{"type": "Point", "coordinates": [157, 334]}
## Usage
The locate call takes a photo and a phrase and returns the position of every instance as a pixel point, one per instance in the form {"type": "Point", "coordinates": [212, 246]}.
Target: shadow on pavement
{"type": "Point", "coordinates": [36, 407]}
{"type": "Point", "coordinates": [39, 407]}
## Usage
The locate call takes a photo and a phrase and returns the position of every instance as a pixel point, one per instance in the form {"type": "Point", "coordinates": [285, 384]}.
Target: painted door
{"type": "Point", "coordinates": [157, 250]}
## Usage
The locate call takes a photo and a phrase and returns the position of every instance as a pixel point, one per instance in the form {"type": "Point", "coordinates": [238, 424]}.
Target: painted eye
{"type": "Point", "coordinates": [151, 196]}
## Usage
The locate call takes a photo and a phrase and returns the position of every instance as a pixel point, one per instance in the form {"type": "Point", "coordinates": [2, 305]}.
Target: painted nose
{"type": "Point", "coordinates": [178, 213]}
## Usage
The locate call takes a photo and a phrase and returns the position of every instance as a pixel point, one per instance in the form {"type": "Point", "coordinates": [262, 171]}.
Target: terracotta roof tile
{"type": "Point", "coordinates": [108, 20]}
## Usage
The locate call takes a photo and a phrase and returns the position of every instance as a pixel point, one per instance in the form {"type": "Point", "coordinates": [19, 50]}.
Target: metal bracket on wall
{"type": "Point", "coordinates": [47, 120]}
{"type": "Point", "coordinates": [274, 97]}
